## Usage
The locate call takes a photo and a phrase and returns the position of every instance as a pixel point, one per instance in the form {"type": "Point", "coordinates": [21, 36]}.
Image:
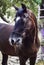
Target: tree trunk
{"type": "Point", "coordinates": [2, 17]}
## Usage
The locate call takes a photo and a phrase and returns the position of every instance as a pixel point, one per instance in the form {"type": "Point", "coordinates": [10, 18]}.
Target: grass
{"type": "Point", "coordinates": [40, 63]}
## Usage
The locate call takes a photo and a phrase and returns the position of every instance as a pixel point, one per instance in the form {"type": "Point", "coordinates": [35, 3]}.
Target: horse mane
{"type": "Point", "coordinates": [34, 20]}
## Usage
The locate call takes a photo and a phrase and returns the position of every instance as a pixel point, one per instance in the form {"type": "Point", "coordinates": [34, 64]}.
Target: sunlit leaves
{"type": "Point", "coordinates": [5, 6]}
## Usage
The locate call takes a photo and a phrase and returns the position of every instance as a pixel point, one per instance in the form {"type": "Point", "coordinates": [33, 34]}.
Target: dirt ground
{"type": "Point", "coordinates": [11, 60]}
{"type": "Point", "coordinates": [15, 61]}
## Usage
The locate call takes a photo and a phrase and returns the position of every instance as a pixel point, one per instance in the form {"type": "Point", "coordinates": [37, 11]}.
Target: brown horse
{"type": "Point", "coordinates": [20, 39]}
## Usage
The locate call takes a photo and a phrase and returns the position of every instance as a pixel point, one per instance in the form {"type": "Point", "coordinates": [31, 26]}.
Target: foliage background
{"type": "Point", "coordinates": [6, 7]}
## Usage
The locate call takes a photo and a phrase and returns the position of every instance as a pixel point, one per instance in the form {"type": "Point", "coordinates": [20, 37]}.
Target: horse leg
{"type": "Point", "coordinates": [4, 59]}
{"type": "Point", "coordinates": [22, 60]}
{"type": "Point", "coordinates": [32, 60]}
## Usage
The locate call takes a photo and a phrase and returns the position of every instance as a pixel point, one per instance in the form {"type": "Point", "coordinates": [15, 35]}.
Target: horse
{"type": "Point", "coordinates": [20, 39]}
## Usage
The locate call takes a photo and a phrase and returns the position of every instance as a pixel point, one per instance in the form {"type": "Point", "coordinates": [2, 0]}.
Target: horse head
{"type": "Point", "coordinates": [24, 29]}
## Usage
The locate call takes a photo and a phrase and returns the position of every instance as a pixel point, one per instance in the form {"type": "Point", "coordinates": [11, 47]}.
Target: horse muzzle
{"type": "Point", "coordinates": [15, 41]}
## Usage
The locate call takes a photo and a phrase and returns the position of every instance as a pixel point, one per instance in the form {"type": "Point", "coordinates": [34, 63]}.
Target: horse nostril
{"type": "Point", "coordinates": [12, 41]}
{"type": "Point", "coordinates": [18, 40]}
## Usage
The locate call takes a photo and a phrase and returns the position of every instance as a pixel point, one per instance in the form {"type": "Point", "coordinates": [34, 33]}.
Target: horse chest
{"type": "Point", "coordinates": [27, 52]}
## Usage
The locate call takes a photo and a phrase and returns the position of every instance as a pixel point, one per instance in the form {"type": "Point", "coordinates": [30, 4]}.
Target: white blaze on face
{"type": "Point", "coordinates": [17, 19]}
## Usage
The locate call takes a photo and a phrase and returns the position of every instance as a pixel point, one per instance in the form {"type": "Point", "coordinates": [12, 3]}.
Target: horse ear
{"type": "Point", "coordinates": [24, 7]}
{"type": "Point", "coordinates": [16, 7]}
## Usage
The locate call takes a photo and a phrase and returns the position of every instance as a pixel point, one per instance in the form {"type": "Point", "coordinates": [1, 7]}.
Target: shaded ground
{"type": "Point", "coordinates": [40, 63]}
